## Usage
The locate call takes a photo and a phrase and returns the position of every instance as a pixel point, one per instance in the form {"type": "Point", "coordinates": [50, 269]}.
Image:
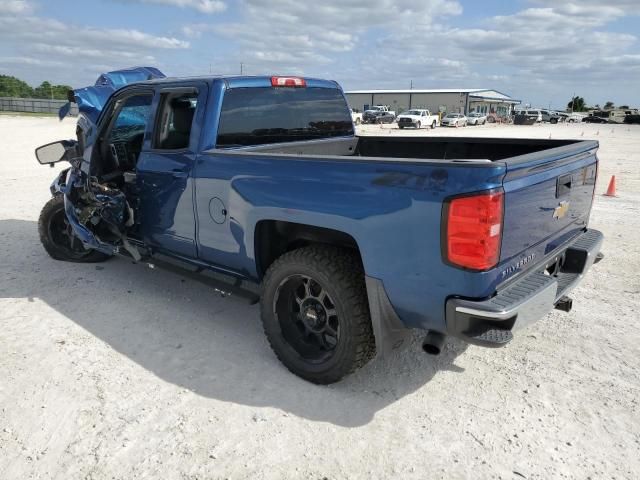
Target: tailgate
{"type": "Point", "coordinates": [548, 197]}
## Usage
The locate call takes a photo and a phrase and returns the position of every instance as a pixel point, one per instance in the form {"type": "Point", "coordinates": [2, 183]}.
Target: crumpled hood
{"type": "Point", "coordinates": [92, 99]}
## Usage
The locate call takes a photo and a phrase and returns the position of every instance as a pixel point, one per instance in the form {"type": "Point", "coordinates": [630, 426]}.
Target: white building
{"type": "Point", "coordinates": [460, 100]}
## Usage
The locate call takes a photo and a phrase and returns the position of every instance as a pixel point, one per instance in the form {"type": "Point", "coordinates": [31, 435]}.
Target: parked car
{"type": "Point", "coordinates": [356, 117]}
{"type": "Point", "coordinates": [523, 117]}
{"type": "Point", "coordinates": [377, 116]}
{"type": "Point", "coordinates": [594, 119]}
{"type": "Point", "coordinates": [418, 118]}
{"type": "Point", "coordinates": [549, 116]}
{"type": "Point", "coordinates": [454, 120]}
{"type": "Point", "coordinates": [381, 108]}
{"type": "Point", "coordinates": [562, 116]}
{"type": "Point", "coordinates": [476, 118]}
{"type": "Point", "coordinates": [632, 118]}
{"type": "Point", "coordinates": [475, 238]}
{"type": "Point", "coordinates": [575, 117]}
{"type": "Point", "coordinates": [531, 112]}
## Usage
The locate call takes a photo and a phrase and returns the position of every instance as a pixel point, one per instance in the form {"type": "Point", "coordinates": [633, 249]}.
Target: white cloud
{"type": "Point", "coordinates": [15, 7]}
{"type": "Point", "coordinates": [547, 48]}
{"type": "Point", "coordinates": [292, 36]}
{"type": "Point", "coordinates": [203, 6]}
{"type": "Point", "coordinates": [35, 47]}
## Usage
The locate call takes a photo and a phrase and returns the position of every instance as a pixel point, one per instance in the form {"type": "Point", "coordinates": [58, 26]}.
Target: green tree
{"type": "Point", "coordinates": [624, 107]}
{"type": "Point", "coordinates": [47, 90]}
{"type": "Point", "coordinates": [14, 87]}
{"type": "Point", "coordinates": [609, 105]}
{"type": "Point", "coordinates": [576, 104]}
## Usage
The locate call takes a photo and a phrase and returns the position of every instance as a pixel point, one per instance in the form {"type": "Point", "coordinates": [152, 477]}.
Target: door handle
{"type": "Point", "coordinates": [176, 173]}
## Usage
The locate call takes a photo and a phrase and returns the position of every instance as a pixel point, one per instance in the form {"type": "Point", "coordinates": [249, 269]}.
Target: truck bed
{"type": "Point", "coordinates": [435, 149]}
{"type": "Point", "coordinates": [389, 193]}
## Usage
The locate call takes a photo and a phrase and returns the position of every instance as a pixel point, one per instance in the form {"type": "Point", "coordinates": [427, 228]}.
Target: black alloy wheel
{"type": "Point", "coordinates": [58, 239]}
{"type": "Point", "coordinates": [307, 317]}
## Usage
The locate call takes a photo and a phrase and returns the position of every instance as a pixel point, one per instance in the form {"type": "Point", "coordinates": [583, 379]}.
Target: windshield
{"type": "Point", "coordinates": [413, 112]}
{"type": "Point", "coordinates": [453, 115]}
{"type": "Point", "coordinates": [257, 116]}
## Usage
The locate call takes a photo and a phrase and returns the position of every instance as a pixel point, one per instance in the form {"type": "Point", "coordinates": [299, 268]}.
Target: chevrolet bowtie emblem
{"type": "Point", "coordinates": [561, 210]}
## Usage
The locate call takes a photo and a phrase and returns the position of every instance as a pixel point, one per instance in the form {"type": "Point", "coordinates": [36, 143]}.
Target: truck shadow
{"type": "Point", "coordinates": [184, 333]}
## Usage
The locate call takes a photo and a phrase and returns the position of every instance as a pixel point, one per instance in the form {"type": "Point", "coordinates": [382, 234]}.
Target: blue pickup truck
{"type": "Point", "coordinates": [348, 242]}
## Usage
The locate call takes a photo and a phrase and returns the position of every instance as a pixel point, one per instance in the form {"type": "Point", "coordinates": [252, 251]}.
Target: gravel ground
{"type": "Point", "coordinates": [117, 371]}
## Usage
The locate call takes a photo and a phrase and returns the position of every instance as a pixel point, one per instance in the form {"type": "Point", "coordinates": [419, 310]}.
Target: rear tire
{"type": "Point", "coordinates": [433, 125]}
{"type": "Point", "coordinates": [315, 313]}
{"type": "Point", "coordinates": [357, 122]}
{"type": "Point", "coordinates": [57, 237]}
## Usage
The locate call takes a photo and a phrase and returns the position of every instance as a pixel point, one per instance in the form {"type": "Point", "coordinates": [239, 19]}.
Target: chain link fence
{"type": "Point", "coordinates": [34, 105]}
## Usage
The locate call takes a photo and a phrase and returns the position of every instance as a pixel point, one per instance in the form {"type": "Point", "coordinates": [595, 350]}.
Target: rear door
{"type": "Point", "coordinates": [164, 170]}
{"type": "Point", "coordinates": [548, 198]}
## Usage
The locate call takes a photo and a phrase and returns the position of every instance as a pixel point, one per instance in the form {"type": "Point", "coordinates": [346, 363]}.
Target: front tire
{"type": "Point", "coordinates": [418, 125]}
{"type": "Point", "coordinates": [57, 236]}
{"type": "Point", "coordinates": [315, 313]}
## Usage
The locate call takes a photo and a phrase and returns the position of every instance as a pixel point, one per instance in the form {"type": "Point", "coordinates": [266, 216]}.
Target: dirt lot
{"type": "Point", "coordinates": [117, 371]}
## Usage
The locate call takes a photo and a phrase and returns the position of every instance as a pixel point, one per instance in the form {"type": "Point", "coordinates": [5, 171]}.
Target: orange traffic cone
{"type": "Point", "coordinates": [611, 191]}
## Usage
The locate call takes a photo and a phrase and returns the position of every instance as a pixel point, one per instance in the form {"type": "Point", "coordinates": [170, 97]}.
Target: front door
{"type": "Point", "coordinates": [164, 170]}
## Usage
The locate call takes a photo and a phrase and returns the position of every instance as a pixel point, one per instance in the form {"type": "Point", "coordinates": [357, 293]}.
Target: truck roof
{"type": "Point", "coordinates": [240, 81]}
{"type": "Point", "coordinates": [91, 99]}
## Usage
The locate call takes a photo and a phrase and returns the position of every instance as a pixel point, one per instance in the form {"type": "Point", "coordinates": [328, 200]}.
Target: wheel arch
{"type": "Point", "coordinates": [273, 238]}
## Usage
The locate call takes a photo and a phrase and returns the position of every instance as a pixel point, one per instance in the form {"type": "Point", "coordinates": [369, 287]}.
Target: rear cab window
{"type": "Point", "coordinates": [173, 129]}
{"type": "Point", "coordinates": [265, 115]}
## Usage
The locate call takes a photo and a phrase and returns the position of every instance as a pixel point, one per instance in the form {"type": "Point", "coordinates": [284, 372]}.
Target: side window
{"type": "Point", "coordinates": [173, 129]}
{"type": "Point", "coordinates": [127, 131]}
{"type": "Point", "coordinates": [132, 118]}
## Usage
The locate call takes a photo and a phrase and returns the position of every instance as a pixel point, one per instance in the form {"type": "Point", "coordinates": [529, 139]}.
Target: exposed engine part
{"type": "Point", "coordinates": [107, 213]}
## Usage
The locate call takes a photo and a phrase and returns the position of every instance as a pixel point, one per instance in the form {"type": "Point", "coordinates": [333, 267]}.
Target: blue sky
{"type": "Point", "coordinates": [540, 51]}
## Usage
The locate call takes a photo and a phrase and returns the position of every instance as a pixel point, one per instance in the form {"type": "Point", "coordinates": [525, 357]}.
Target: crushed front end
{"type": "Point", "coordinates": [99, 214]}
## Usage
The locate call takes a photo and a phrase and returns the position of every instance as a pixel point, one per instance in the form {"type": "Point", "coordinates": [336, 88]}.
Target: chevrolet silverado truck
{"type": "Point", "coordinates": [347, 242]}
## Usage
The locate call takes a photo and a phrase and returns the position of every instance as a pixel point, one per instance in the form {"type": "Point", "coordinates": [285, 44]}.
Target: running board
{"type": "Point", "coordinates": [225, 285]}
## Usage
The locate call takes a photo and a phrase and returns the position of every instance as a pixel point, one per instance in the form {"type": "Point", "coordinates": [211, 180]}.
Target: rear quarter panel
{"type": "Point", "coordinates": [392, 210]}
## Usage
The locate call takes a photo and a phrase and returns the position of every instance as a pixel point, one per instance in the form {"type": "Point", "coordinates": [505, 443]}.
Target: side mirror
{"type": "Point", "coordinates": [54, 152]}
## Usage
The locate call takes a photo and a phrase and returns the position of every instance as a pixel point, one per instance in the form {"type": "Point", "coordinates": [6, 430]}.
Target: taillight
{"type": "Point", "coordinates": [473, 230]}
{"type": "Point", "coordinates": [288, 82]}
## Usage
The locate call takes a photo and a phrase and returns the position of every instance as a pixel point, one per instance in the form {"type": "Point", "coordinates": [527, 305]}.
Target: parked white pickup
{"type": "Point", "coordinates": [418, 118]}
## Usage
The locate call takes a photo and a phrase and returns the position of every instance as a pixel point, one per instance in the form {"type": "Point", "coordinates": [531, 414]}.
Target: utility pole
{"type": "Point", "coordinates": [411, 86]}
{"type": "Point", "coordinates": [241, 68]}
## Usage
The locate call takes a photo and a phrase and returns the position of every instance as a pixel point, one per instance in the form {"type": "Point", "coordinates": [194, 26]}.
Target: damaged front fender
{"type": "Point", "coordinates": [98, 215]}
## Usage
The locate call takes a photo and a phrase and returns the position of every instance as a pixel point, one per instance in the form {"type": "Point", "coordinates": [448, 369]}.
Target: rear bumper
{"type": "Point", "coordinates": [491, 322]}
